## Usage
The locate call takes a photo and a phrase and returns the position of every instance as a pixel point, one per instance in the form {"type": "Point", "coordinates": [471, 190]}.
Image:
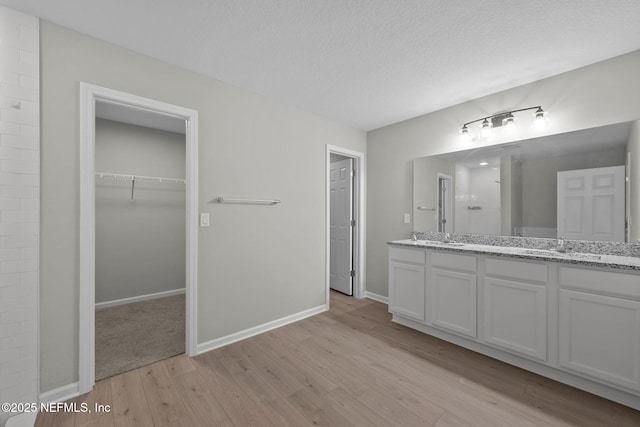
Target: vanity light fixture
{"type": "Point", "coordinates": [506, 119]}
{"type": "Point", "coordinates": [484, 163]}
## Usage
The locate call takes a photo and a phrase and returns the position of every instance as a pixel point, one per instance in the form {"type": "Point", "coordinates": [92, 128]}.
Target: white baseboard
{"type": "Point", "coordinates": [61, 394]}
{"type": "Point", "coordinates": [107, 304]}
{"type": "Point", "coordinates": [26, 419]}
{"type": "Point", "coordinates": [376, 297]}
{"type": "Point", "coordinates": [247, 333]}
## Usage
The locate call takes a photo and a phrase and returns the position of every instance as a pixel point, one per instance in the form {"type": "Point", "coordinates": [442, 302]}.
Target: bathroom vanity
{"type": "Point", "coordinates": [573, 317]}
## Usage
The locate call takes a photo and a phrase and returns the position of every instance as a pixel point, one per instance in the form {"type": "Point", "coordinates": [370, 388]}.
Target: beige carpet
{"type": "Point", "coordinates": [134, 335]}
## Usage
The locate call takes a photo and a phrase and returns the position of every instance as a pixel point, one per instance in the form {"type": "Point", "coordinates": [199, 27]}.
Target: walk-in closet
{"type": "Point", "coordinates": [139, 240]}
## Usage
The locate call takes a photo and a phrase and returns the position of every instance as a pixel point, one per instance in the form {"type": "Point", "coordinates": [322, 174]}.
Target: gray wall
{"type": "Point", "coordinates": [633, 200]}
{"type": "Point", "coordinates": [425, 191]}
{"type": "Point", "coordinates": [540, 188]}
{"type": "Point", "coordinates": [140, 244]}
{"type": "Point", "coordinates": [256, 263]}
{"type": "Point", "coordinates": [600, 94]}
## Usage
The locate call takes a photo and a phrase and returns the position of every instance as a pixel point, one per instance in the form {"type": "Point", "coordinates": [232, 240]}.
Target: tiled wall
{"type": "Point", "coordinates": [19, 206]}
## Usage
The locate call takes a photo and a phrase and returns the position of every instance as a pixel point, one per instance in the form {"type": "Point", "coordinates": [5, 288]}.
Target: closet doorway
{"type": "Point", "coordinates": [344, 221]}
{"type": "Point", "coordinates": [138, 233]}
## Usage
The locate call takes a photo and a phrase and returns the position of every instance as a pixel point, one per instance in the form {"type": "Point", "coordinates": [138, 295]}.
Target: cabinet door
{"type": "Point", "coordinates": [452, 301]}
{"type": "Point", "coordinates": [600, 336]}
{"type": "Point", "coordinates": [406, 290]}
{"type": "Point", "coordinates": [515, 317]}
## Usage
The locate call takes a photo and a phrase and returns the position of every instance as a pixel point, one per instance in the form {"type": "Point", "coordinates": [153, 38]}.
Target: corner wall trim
{"type": "Point", "coordinates": [61, 394]}
{"type": "Point", "coordinates": [376, 297]}
{"type": "Point", "coordinates": [247, 333]}
{"type": "Point", "coordinates": [116, 302]}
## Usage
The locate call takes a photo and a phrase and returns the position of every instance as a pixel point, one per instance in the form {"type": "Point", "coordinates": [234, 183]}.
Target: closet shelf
{"type": "Point", "coordinates": [125, 177]}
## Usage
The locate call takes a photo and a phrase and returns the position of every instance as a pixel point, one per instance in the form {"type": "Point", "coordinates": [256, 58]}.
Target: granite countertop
{"type": "Point", "coordinates": [588, 259]}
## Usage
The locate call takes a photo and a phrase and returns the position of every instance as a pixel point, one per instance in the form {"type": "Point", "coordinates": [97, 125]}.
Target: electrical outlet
{"type": "Point", "coordinates": [406, 218]}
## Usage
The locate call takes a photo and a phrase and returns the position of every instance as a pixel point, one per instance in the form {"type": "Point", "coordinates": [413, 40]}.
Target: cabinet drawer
{"type": "Point", "coordinates": [413, 256]}
{"type": "Point", "coordinates": [526, 271]}
{"type": "Point", "coordinates": [625, 285]}
{"type": "Point", "coordinates": [454, 262]}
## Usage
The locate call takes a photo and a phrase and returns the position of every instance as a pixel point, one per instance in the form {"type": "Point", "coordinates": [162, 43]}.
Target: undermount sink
{"type": "Point", "coordinates": [568, 254]}
{"type": "Point", "coordinates": [449, 244]}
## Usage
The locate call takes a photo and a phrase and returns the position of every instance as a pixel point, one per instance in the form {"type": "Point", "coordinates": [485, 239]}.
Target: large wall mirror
{"type": "Point", "coordinates": [572, 185]}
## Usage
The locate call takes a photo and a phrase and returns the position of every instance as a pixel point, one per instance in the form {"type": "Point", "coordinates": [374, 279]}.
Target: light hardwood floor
{"type": "Point", "coordinates": [349, 366]}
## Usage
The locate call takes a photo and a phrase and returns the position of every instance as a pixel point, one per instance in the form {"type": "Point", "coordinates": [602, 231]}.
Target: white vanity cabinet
{"type": "Point", "coordinates": [578, 324]}
{"type": "Point", "coordinates": [515, 307]}
{"type": "Point", "coordinates": [407, 282]}
{"type": "Point", "coordinates": [452, 293]}
{"type": "Point", "coordinates": [599, 325]}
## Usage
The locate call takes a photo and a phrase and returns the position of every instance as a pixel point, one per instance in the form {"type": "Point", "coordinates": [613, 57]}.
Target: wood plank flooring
{"type": "Point", "coordinates": [349, 366]}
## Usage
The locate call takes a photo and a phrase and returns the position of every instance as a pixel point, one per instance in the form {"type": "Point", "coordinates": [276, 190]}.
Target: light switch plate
{"type": "Point", "coordinates": [406, 218]}
{"type": "Point", "coordinates": [204, 219]}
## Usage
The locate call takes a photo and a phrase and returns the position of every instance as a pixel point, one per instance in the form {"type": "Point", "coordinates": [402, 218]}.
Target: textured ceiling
{"type": "Point", "coordinates": [366, 63]}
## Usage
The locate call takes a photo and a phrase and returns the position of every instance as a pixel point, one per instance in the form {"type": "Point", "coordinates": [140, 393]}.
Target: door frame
{"type": "Point", "coordinates": [359, 166]}
{"type": "Point", "coordinates": [89, 95]}
{"type": "Point", "coordinates": [448, 203]}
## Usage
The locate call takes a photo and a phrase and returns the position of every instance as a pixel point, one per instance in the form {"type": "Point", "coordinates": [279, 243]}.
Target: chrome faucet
{"type": "Point", "coordinates": [560, 245]}
{"type": "Point", "coordinates": [447, 237]}
{"type": "Point", "coordinates": [414, 236]}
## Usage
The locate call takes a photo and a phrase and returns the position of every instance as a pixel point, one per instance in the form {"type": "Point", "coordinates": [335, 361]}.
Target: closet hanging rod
{"type": "Point", "coordinates": [126, 177]}
{"type": "Point", "coordinates": [221, 199]}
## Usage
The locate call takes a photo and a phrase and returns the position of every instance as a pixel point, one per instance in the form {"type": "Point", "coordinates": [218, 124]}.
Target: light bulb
{"type": "Point", "coordinates": [509, 123]}
{"type": "Point", "coordinates": [464, 134]}
{"type": "Point", "coordinates": [540, 122]}
{"type": "Point", "coordinates": [486, 129]}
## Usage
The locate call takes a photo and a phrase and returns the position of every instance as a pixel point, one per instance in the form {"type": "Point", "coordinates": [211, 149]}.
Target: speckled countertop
{"type": "Point", "coordinates": [588, 259]}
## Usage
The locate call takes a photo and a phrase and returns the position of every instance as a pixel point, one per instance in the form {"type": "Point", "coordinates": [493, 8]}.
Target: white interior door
{"type": "Point", "coordinates": [341, 214]}
{"type": "Point", "coordinates": [591, 204]}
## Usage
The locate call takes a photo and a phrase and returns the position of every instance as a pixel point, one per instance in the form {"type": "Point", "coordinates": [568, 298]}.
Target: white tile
{"type": "Point", "coordinates": [29, 82]}
{"type": "Point", "coordinates": [28, 228]}
{"type": "Point", "coordinates": [26, 327]}
{"type": "Point", "coordinates": [10, 254]}
{"type": "Point", "coordinates": [29, 107]}
{"type": "Point", "coordinates": [9, 204]}
{"type": "Point", "coordinates": [9, 354]}
{"type": "Point", "coordinates": [28, 38]}
{"type": "Point", "coordinates": [18, 141]}
{"type": "Point", "coordinates": [26, 253]}
{"type": "Point", "coordinates": [10, 330]}
{"type": "Point", "coordinates": [27, 180]}
{"type": "Point", "coordinates": [8, 381]}
{"type": "Point", "coordinates": [31, 133]}
{"type": "Point", "coordinates": [20, 266]}
{"type": "Point", "coordinates": [8, 153]}
{"type": "Point", "coordinates": [8, 304]}
{"type": "Point", "coordinates": [10, 179]}
{"type": "Point", "coordinates": [8, 128]}
{"type": "Point", "coordinates": [20, 192]}
{"type": "Point", "coordinates": [10, 33]}
{"type": "Point", "coordinates": [19, 166]}
{"type": "Point", "coordinates": [29, 278]}
{"type": "Point", "coordinates": [15, 341]}
{"type": "Point", "coordinates": [10, 229]}
{"type": "Point", "coordinates": [11, 77]}
{"type": "Point", "coordinates": [11, 292]}
{"type": "Point", "coordinates": [29, 58]}
{"type": "Point", "coordinates": [8, 242]}
{"type": "Point", "coordinates": [29, 155]}
{"type": "Point", "coordinates": [9, 280]}
{"type": "Point", "coordinates": [10, 54]}
{"type": "Point", "coordinates": [29, 205]}
{"type": "Point", "coordinates": [19, 216]}
{"type": "Point", "coordinates": [20, 117]}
